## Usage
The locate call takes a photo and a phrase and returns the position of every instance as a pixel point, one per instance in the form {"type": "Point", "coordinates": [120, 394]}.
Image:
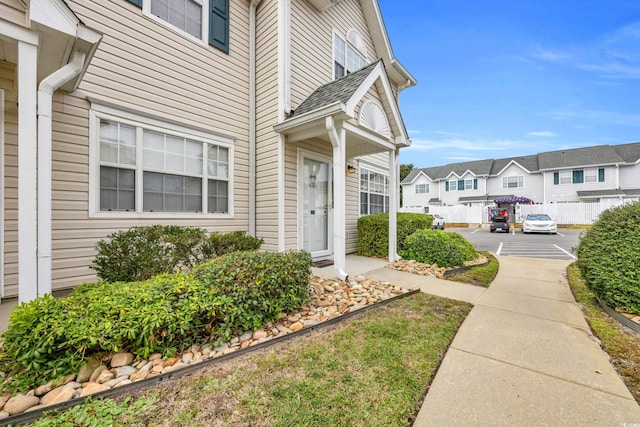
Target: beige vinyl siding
{"type": "Point", "coordinates": [312, 43]}
{"type": "Point", "coordinates": [149, 69]}
{"type": "Point", "coordinates": [13, 11]}
{"type": "Point", "coordinates": [10, 241]}
{"type": "Point", "coordinates": [267, 117]}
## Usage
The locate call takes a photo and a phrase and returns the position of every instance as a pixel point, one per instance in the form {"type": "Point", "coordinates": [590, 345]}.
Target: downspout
{"type": "Point", "coordinates": [339, 194]}
{"type": "Point", "coordinates": [45, 100]}
{"type": "Point", "coordinates": [252, 116]}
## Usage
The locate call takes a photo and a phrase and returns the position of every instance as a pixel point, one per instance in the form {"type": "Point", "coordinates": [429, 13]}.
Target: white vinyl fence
{"type": "Point", "coordinates": [578, 213]}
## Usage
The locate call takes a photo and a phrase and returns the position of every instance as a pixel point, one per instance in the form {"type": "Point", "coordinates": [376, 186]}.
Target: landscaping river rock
{"type": "Point", "coordinates": [329, 299]}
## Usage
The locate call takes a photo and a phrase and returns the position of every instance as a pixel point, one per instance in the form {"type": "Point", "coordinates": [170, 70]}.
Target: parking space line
{"type": "Point", "coordinates": [499, 249]}
{"type": "Point", "coordinates": [568, 253]}
{"type": "Point", "coordinates": [560, 234]}
{"type": "Point", "coordinates": [474, 232]}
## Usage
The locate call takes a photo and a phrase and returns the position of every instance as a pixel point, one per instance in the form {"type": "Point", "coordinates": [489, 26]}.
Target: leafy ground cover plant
{"type": "Point", "coordinates": [373, 231]}
{"type": "Point", "coordinates": [446, 249]}
{"type": "Point", "coordinates": [140, 253]}
{"type": "Point", "coordinates": [608, 257]}
{"type": "Point", "coordinates": [48, 337]}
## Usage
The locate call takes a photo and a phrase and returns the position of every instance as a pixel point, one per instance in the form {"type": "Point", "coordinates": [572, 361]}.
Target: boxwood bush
{"type": "Point", "coordinates": [609, 258]}
{"type": "Point", "coordinates": [446, 249]}
{"type": "Point", "coordinates": [140, 253]}
{"type": "Point", "coordinates": [373, 232]}
{"type": "Point", "coordinates": [49, 337]}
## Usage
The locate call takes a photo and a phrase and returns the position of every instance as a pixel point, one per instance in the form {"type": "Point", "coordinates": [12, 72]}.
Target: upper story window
{"type": "Point", "coordinates": [144, 168]}
{"type": "Point", "coordinates": [451, 185]}
{"type": "Point", "coordinates": [461, 184]}
{"type": "Point", "coordinates": [513, 181]}
{"type": "Point", "coordinates": [349, 54]}
{"type": "Point", "coordinates": [205, 20]}
{"type": "Point", "coordinates": [422, 188]}
{"type": "Point", "coordinates": [468, 184]}
{"type": "Point", "coordinates": [374, 192]}
{"type": "Point", "coordinates": [578, 176]}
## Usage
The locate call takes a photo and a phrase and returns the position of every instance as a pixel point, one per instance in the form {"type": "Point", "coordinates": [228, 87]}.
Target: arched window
{"type": "Point", "coordinates": [349, 54]}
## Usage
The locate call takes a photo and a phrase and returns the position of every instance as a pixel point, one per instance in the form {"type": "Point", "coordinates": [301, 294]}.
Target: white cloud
{"type": "Point", "coordinates": [543, 133]}
{"type": "Point", "coordinates": [413, 131]}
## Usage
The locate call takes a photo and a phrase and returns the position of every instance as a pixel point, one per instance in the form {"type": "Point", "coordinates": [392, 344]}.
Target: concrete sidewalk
{"type": "Point", "coordinates": [525, 356]}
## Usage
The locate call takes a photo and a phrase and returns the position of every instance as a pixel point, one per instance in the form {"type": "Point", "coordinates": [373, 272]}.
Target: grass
{"type": "Point", "coordinates": [622, 345]}
{"type": "Point", "coordinates": [370, 370]}
{"type": "Point", "coordinates": [481, 275]}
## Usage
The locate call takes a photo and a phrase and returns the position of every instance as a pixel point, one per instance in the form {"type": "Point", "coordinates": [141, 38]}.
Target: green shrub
{"type": "Point", "coordinates": [262, 284]}
{"type": "Point", "coordinates": [140, 253]}
{"type": "Point", "coordinates": [609, 258]}
{"type": "Point", "coordinates": [48, 337]}
{"type": "Point", "coordinates": [373, 232]}
{"type": "Point", "coordinates": [446, 249]}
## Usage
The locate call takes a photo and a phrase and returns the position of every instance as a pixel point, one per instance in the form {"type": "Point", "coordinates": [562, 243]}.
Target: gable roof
{"type": "Point", "coordinates": [530, 163]}
{"type": "Point", "coordinates": [337, 91]}
{"type": "Point", "coordinates": [431, 173]}
{"type": "Point", "coordinates": [588, 156]}
{"type": "Point", "coordinates": [629, 152]}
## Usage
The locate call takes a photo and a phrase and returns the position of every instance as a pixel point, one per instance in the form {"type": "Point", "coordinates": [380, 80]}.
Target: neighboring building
{"type": "Point", "coordinates": [580, 174]}
{"type": "Point", "coordinates": [280, 118]}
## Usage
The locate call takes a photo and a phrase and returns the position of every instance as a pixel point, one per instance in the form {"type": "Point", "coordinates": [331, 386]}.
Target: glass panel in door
{"type": "Point", "coordinates": [316, 206]}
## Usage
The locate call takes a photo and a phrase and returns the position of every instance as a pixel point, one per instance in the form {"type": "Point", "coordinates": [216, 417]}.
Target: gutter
{"type": "Point", "coordinates": [252, 116]}
{"type": "Point", "coordinates": [47, 87]}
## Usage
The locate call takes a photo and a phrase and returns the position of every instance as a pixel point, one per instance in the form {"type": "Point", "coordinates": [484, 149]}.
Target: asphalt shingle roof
{"type": "Point", "coordinates": [340, 90]}
{"type": "Point", "coordinates": [530, 163]}
{"type": "Point", "coordinates": [599, 193]}
{"type": "Point", "coordinates": [629, 152]}
{"type": "Point", "coordinates": [588, 156]}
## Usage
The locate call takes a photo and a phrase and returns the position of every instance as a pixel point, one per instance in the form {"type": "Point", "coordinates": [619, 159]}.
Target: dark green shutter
{"type": "Point", "coordinates": [475, 183]}
{"type": "Point", "coordinates": [136, 2]}
{"type": "Point", "coordinates": [446, 186]}
{"type": "Point", "coordinates": [219, 24]}
{"type": "Point", "coordinates": [556, 178]}
{"type": "Point", "coordinates": [601, 175]}
{"type": "Point", "coordinates": [578, 177]}
{"type": "Point", "coordinates": [461, 185]}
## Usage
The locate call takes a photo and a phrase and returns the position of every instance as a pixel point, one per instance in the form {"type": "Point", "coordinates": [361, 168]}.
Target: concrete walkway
{"type": "Point", "coordinates": [524, 356]}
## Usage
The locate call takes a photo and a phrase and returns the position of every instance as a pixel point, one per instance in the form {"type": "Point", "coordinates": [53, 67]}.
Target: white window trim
{"type": "Point", "coordinates": [371, 168]}
{"type": "Point", "coordinates": [204, 37]}
{"type": "Point", "coordinates": [423, 185]}
{"type": "Point", "coordinates": [506, 178]}
{"type": "Point", "coordinates": [453, 187]}
{"type": "Point", "coordinates": [565, 174]}
{"type": "Point", "coordinates": [594, 176]}
{"type": "Point", "coordinates": [98, 112]}
{"type": "Point", "coordinates": [336, 34]}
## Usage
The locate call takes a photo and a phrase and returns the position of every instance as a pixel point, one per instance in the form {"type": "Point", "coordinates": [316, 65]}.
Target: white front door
{"type": "Point", "coordinates": [316, 200]}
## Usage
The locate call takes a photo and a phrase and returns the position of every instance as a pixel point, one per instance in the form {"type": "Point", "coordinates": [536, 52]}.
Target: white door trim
{"type": "Point", "coordinates": [302, 154]}
{"type": "Point", "coordinates": [2, 193]}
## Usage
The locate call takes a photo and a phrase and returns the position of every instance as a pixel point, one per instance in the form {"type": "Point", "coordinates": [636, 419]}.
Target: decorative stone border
{"type": "Point", "coordinates": [335, 301]}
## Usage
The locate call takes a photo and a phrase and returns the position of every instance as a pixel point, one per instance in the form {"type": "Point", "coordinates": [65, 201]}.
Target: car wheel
{"type": "Point", "coordinates": [442, 227]}
{"type": "Point", "coordinates": [492, 230]}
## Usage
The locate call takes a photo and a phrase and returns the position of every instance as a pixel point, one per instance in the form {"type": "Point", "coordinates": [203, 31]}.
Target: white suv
{"type": "Point", "coordinates": [438, 222]}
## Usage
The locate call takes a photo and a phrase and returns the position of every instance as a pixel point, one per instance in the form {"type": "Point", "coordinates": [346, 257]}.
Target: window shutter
{"type": "Point", "coordinates": [461, 185]}
{"type": "Point", "coordinates": [136, 2]}
{"type": "Point", "coordinates": [475, 183]}
{"type": "Point", "coordinates": [446, 186]}
{"type": "Point", "coordinates": [219, 24]}
{"type": "Point", "coordinates": [556, 178]}
{"type": "Point", "coordinates": [601, 175]}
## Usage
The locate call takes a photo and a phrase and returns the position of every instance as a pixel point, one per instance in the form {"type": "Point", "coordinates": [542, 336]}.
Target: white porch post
{"type": "Point", "coordinates": [338, 142]}
{"type": "Point", "coordinates": [393, 205]}
{"type": "Point", "coordinates": [27, 179]}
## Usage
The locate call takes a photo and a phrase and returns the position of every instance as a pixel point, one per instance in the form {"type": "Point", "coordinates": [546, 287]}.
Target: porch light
{"type": "Point", "coordinates": [351, 169]}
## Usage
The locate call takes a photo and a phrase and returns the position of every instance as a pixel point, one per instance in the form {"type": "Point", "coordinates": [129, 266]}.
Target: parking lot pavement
{"type": "Point", "coordinates": [549, 246]}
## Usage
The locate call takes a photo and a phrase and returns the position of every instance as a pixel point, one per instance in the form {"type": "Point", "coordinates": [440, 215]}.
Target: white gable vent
{"type": "Point", "coordinates": [372, 116]}
{"type": "Point", "coordinates": [354, 37]}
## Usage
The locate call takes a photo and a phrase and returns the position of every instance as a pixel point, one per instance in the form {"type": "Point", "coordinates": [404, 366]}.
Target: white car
{"type": "Point", "coordinates": [539, 223]}
{"type": "Point", "coordinates": [438, 222]}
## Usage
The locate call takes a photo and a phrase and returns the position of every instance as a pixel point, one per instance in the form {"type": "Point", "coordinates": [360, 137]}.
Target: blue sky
{"type": "Point", "coordinates": [500, 78]}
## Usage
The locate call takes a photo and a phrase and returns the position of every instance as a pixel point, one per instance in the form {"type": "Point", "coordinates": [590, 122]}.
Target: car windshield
{"type": "Point", "coordinates": [538, 218]}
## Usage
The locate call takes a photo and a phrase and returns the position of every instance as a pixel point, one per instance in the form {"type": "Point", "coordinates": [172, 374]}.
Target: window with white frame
{"type": "Point", "coordinates": [453, 185]}
{"type": "Point", "coordinates": [346, 57]}
{"type": "Point", "coordinates": [186, 15]}
{"type": "Point", "coordinates": [513, 181]}
{"type": "Point", "coordinates": [374, 192]}
{"type": "Point", "coordinates": [422, 188]}
{"type": "Point", "coordinates": [565, 177]}
{"type": "Point", "coordinates": [143, 168]}
{"type": "Point", "coordinates": [468, 184]}
{"type": "Point", "coordinates": [591, 175]}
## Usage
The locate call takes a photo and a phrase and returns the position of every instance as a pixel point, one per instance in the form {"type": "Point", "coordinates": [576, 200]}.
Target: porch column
{"type": "Point", "coordinates": [27, 179]}
{"type": "Point", "coordinates": [393, 205]}
{"type": "Point", "coordinates": [337, 136]}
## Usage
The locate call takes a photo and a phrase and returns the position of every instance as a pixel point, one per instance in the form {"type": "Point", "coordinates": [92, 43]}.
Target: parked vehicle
{"type": "Point", "coordinates": [499, 223]}
{"type": "Point", "coordinates": [539, 223]}
{"type": "Point", "coordinates": [438, 222]}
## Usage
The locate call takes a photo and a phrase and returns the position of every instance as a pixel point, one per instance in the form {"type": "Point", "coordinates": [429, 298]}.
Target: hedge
{"type": "Point", "coordinates": [446, 249]}
{"type": "Point", "coordinates": [49, 337]}
{"type": "Point", "coordinates": [373, 232]}
{"type": "Point", "coordinates": [609, 257]}
{"type": "Point", "coordinates": [140, 253]}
